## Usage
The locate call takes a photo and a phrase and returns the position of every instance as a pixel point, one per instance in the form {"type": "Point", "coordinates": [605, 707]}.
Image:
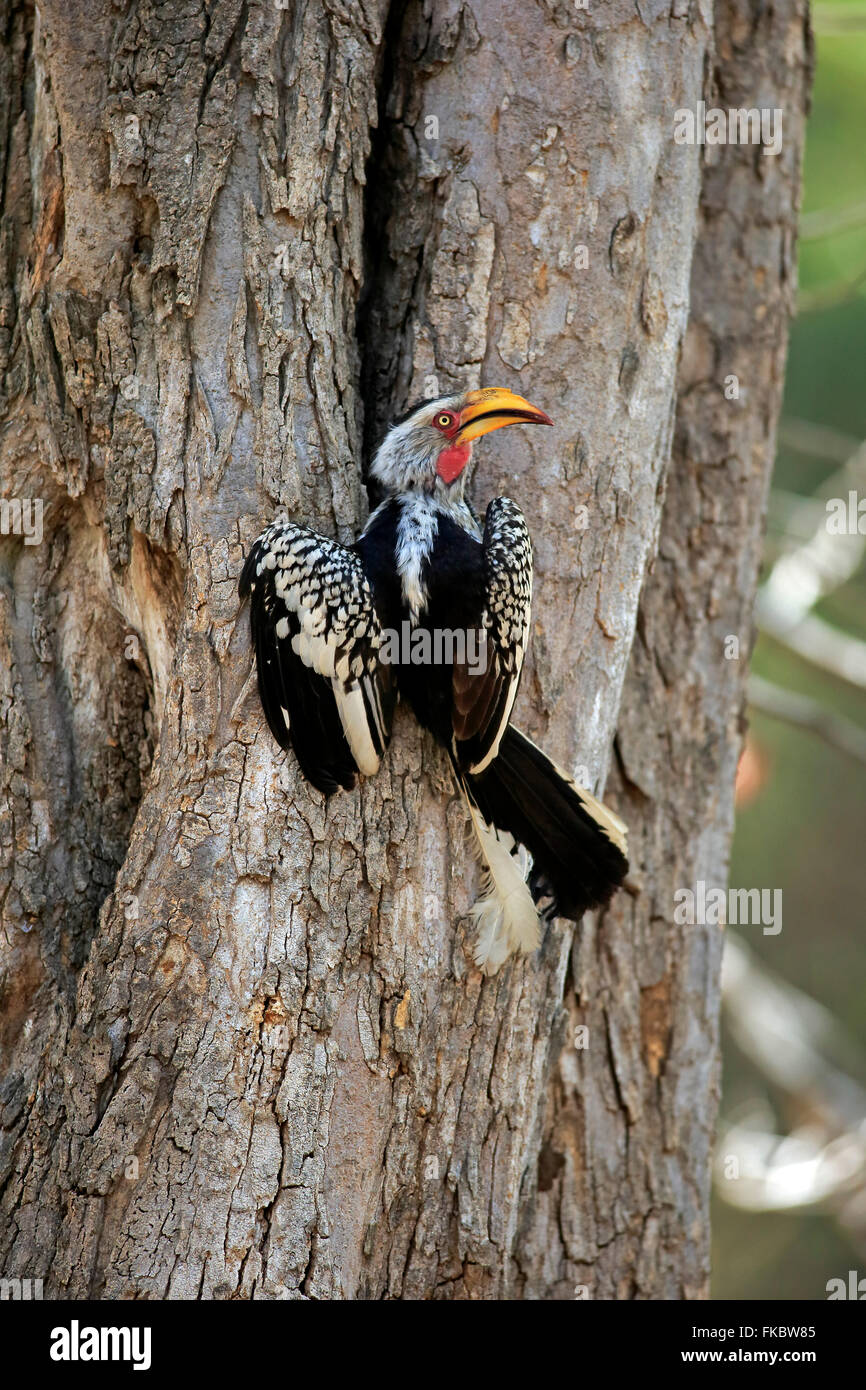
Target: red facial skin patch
{"type": "Point", "coordinates": [451, 462]}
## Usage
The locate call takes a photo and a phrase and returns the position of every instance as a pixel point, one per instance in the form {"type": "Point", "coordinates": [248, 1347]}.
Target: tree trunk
{"type": "Point", "coordinates": [244, 1049]}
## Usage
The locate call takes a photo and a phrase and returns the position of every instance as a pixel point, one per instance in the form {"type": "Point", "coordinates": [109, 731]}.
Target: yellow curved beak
{"type": "Point", "coordinates": [490, 409]}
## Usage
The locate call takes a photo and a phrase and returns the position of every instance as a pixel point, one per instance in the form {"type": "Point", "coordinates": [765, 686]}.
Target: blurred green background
{"type": "Point", "coordinates": [802, 822]}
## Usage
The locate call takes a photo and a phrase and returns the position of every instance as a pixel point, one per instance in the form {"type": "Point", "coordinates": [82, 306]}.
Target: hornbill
{"type": "Point", "coordinates": [320, 613]}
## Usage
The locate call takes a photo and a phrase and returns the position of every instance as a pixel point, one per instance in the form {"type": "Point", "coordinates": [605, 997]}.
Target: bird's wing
{"type": "Point", "coordinates": [317, 636]}
{"type": "Point", "coordinates": [482, 701]}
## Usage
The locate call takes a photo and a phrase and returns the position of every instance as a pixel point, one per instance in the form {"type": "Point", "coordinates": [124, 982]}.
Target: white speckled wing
{"type": "Point", "coordinates": [311, 604]}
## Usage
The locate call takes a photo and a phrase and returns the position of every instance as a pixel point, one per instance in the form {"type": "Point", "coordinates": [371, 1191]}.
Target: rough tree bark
{"type": "Point", "coordinates": [245, 1053]}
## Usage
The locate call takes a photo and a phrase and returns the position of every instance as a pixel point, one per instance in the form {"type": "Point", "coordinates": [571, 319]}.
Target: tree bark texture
{"type": "Point", "coordinates": [244, 1050]}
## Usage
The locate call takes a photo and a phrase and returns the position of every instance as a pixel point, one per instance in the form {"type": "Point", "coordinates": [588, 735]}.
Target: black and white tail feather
{"type": "Point", "coordinates": [544, 843]}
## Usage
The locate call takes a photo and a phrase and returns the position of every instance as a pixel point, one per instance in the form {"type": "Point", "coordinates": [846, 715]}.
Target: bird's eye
{"type": "Point", "coordinates": [444, 422]}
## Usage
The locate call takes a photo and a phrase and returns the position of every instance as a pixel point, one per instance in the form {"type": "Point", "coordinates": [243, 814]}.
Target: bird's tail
{"type": "Point", "coordinates": [505, 913]}
{"type": "Point", "coordinates": [542, 840]}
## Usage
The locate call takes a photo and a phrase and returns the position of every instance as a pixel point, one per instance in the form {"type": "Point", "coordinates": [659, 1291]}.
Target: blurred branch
{"type": "Point", "coordinates": [830, 296]}
{"type": "Point", "coordinates": [806, 713]}
{"type": "Point", "coordinates": [834, 21]}
{"type": "Point", "coordinates": [828, 221]}
{"type": "Point", "coordinates": [789, 1037]}
{"type": "Point", "coordinates": [795, 515]}
{"type": "Point", "coordinates": [818, 441]}
{"type": "Point", "coordinates": [822, 646]}
{"type": "Point", "coordinates": [811, 569]}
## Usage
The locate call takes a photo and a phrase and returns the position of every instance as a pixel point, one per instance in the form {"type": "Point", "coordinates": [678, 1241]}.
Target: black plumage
{"type": "Point", "coordinates": [575, 864]}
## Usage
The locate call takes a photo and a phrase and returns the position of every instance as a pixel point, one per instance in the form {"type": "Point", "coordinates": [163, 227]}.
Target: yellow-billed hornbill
{"type": "Point", "coordinates": [320, 615]}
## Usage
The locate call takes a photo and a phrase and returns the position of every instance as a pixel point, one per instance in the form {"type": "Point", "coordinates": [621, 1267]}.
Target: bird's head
{"type": "Point", "coordinates": [428, 450]}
